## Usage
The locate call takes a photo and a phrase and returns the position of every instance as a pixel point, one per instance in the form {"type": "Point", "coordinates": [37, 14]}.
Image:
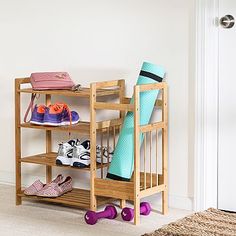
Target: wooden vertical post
{"type": "Point", "coordinates": [122, 95]}
{"type": "Point", "coordinates": [165, 150]}
{"type": "Point", "coordinates": [17, 141]}
{"type": "Point", "coordinates": [108, 145]}
{"type": "Point", "coordinates": [122, 203]}
{"type": "Point", "coordinates": [150, 155]}
{"type": "Point", "coordinates": [157, 156]}
{"type": "Point", "coordinates": [93, 202]}
{"type": "Point", "coordinates": [48, 144]}
{"type": "Point", "coordinates": [144, 160]}
{"type": "Point", "coordinates": [122, 116]}
{"type": "Point", "coordinates": [101, 153]}
{"type": "Point", "coordinates": [136, 156]}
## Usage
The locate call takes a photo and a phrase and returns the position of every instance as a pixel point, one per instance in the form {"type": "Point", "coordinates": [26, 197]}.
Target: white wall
{"type": "Point", "coordinates": [95, 41]}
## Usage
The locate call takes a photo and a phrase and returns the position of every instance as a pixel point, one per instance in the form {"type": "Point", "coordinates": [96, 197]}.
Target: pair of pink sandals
{"type": "Point", "coordinates": [56, 188]}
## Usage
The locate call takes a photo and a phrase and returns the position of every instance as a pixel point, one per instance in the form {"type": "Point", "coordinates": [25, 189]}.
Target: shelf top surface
{"type": "Point", "coordinates": [49, 159]}
{"type": "Point", "coordinates": [82, 126]}
{"type": "Point", "coordinates": [77, 197]}
{"type": "Point", "coordinates": [84, 92]}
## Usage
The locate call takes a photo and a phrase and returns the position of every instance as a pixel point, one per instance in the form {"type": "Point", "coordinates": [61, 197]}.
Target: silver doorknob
{"type": "Point", "coordinates": [227, 21]}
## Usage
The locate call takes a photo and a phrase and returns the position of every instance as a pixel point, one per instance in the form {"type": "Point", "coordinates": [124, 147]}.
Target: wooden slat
{"type": "Point", "coordinates": [101, 156]}
{"type": "Point", "coordinates": [77, 197]}
{"type": "Point", "coordinates": [145, 159]}
{"type": "Point", "coordinates": [150, 158]}
{"type": "Point", "coordinates": [108, 145]}
{"type": "Point", "coordinates": [49, 159]}
{"type": "Point", "coordinates": [107, 84]}
{"type": "Point", "coordinates": [81, 127]}
{"type": "Point", "coordinates": [113, 106]}
{"type": "Point", "coordinates": [22, 81]}
{"type": "Point", "coordinates": [158, 102]}
{"type": "Point", "coordinates": [114, 189]}
{"type": "Point", "coordinates": [84, 92]}
{"type": "Point", "coordinates": [155, 86]}
{"type": "Point", "coordinates": [114, 138]}
{"type": "Point", "coordinates": [154, 179]}
{"type": "Point", "coordinates": [151, 191]}
{"type": "Point", "coordinates": [153, 126]}
{"type": "Point", "coordinates": [122, 97]}
{"type": "Point", "coordinates": [157, 155]}
{"type": "Point", "coordinates": [109, 123]}
{"type": "Point", "coordinates": [148, 179]}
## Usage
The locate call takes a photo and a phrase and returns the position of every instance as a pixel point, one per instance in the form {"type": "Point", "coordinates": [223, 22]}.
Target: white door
{"type": "Point", "coordinates": [227, 110]}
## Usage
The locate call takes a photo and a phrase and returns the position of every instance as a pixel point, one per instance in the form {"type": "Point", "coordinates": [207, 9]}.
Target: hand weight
{"type": "Point", "coordinates": [128, 213]}
{"type": "Point", "coordinates": [91, 217]}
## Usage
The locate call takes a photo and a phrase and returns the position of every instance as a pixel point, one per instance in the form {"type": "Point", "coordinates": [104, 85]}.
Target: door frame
{"type": "Point", "coordinates": [206, 105]}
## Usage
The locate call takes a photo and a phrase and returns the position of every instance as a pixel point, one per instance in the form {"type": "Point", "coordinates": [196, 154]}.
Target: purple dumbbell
{"type": "Point", "coordinates": [128, 213]}
{"type": "Point", "coordinates": [91, 217]}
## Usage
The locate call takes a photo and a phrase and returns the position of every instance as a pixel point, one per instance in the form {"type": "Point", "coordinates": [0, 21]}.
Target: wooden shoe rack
{"type": "Point", "coordinates": [146, 179]}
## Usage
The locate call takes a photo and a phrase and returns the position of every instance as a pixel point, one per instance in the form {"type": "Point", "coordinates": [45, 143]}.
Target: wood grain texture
{"type": "Point", "coordinates": [165, 150]}
{"type": "Point", "coordinates": [77, 197]}
{"type": "Point", "coordinates": [114, 188]}
{"type": "Point", "coordinates": [49, 159]}
{"type": "Point", "coordinates": [113, 106]}
{"type": "Point", "coordinates": [48, 144]}
{"type": "Point", "coordinates": [136, 155]}
{"type": "Point", "coordinates": [83, 93]}
{"type": "Point", "coordinates": [17, 141]}
{"type": "Point", "coordinates": [142, 184]}
{"type": "Point", "coordinates": [93, 198]}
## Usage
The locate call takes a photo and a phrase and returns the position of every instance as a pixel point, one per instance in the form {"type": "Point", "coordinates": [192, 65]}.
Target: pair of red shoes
{"type": "Point", "coordinates": [57, 114]}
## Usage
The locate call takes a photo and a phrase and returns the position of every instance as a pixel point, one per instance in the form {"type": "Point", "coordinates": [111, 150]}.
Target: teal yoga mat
{"type": "Point", "coordinates": [122, 165]}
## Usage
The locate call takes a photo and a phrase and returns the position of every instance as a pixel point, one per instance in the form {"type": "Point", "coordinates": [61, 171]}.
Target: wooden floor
{"type": "Point", "coordinates": [41, 219]}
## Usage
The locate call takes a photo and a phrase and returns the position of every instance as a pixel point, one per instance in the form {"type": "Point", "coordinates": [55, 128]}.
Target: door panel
{"type": "Point", "coordinates": [227, 111]}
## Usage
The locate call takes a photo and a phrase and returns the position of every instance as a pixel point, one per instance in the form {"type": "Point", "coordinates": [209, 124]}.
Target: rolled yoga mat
{"type": "Point", "coordinates": [122, 165]}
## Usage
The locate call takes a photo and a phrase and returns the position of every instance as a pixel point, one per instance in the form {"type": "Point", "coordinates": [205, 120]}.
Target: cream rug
{"type": "Point", "coordinates": [206, 223]}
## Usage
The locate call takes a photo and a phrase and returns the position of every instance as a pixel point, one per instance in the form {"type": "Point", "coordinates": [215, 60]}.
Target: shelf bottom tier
{"type": "Point", "coordinates": [77, 197]}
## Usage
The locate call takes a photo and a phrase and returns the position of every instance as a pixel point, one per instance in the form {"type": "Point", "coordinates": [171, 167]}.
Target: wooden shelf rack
{"type": "Point", "coordinates": [143, 183]}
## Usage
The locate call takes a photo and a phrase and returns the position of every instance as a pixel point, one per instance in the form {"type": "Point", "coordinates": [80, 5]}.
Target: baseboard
{"type": "Point", "coordinates": [180, 202]}
{"type": "Point", "coordinates": [7, 177]}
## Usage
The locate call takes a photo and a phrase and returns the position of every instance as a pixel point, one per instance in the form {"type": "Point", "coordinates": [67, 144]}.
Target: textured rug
{"type": "Point", "coordinates": [206, 223]}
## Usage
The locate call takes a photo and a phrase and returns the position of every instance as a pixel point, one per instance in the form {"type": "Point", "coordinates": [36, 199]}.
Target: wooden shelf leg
{"type": "Point", "coordinates": [17, 143]}
{"type": "Point", "coordinates": [164, 202]}
{"type": "Point", "coordinates": [136, 156]}
{"type": "Point", "coordinates": [136, 210]}
{"type": "Point", "coordinates": [165, 151]}
{"type": "Point", "coordinates": [122, 203]}
{"type": "Point", "coordinates": [93, 200]}
{"type": "Point", "coordinates": [48, 144]}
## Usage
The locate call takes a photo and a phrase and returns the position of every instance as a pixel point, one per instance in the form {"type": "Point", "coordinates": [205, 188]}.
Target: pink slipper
{"type": "Point", "coordinates": [34, 188]}
{"type": "Point", "coordinates": [37, 186]}
{"type": "Point", "coordinates": [56, 189]}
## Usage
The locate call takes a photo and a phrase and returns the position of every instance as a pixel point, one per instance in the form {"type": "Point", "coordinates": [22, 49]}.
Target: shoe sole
{"type": "Point", "coordinates": [45, 196]}
{"type": "Point", "coordinates": [80, 163]}
{"type": "Point", "coordinates": [65, 161]}
{"type": "Point", "coordinates": [55, 124]}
